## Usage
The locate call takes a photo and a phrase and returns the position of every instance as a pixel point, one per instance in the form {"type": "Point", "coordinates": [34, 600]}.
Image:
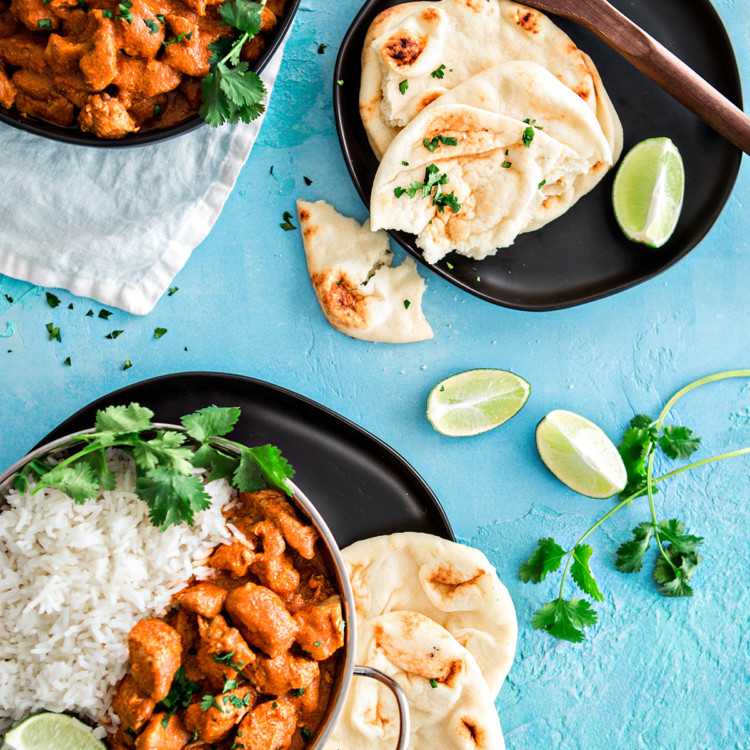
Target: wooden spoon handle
{"type": "Point", "coordinates": [659, 64]}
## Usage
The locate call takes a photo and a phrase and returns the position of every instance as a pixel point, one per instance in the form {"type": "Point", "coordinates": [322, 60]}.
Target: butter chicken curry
{"type": "Point", "coordinates": [113, 66]}
{"type": "Point", "coordinates": [247, 657]}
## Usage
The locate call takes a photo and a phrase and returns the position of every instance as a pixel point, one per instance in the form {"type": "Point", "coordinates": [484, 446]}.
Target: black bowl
{"type": "Point", "coordinates": [583, 255]}
{"type": "Point", "coordinates": [75, 136]}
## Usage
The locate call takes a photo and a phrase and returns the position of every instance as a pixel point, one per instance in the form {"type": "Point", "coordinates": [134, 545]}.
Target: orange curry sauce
{"type": "Point", "coordinates": [259, 643]}
{"type": "Point", "coordinates": [113, 66]}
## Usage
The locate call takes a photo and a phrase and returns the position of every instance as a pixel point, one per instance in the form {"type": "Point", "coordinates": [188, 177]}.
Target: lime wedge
{"type": "Point", "coordinates": [580, 455]}
{"type": "Point", "coordinates": [648, 191]}
{"type": "Point", "coordinates": [475, 401]}
{"type": "Point", "coordinates": [51, 732]}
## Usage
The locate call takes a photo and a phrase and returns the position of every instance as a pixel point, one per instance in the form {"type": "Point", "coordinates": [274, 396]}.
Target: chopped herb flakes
{"type": "Point", "coordinates": [287, 225]}
{"type": "Point", "coordinates": [403, 86]}
{"type": "Point", "coordinates": [104, 314]}
{"type": "Point", "coordinates": [431, 145]}
{"type": "Point", "coordinates": [298, 692]}
{"type": "Point", "coordinates": [533, 122]}
{"type": "Point", "coordinates": [406, 304]}
{"type": "Point", "coordinates": [127, 364]}
{"type": "Point", "coordinates": [113, 335]}
{"type": "Point", "coordinates": [305, 732]}
{"type": "Point", "coordinates": [449, 266]}
{"type": "Point", "coordinates": [44, 23]}
{"type": "Point", "coordinates": [54, 332]}
{"type": "Point", "coordinates": [308, 181]}
{"type": "Point", "coordinates": [433, 683]}
{"type": "Point", "coordinates": [70, 306]}
{"type": "Point", "coordinates": [158, 333]}
{"type": "Point", "coordinates": [318, 643]}
{"type": "Point", "coordinates": [52, 300]}
{"type": "Point", "coordinates": [9, 298]}
{"type": "Point", "coordinates": [433, 180]}
{"type": "Point", "coordinates": [157, 110]}
{"type": "Point", "coordinates": [153, 26]}
{"type": "Point", "coordinates": [90, 314]}
{"type": "Point", "coordinates": [67, 362]}
{"type": "Point", "coordinates": [528, 136]}
{"type": "Point", "coordinates": [340, 83]}
{"type": "Point", "coordinates": [542, 184]}
{"type": "Point", "coordinates": [322, 48]}
{"type": "Point", "coordinates": [405, 163]}
{"type": "Point", "coordinates": [208, 701]}
{"type": "Point", "coordinates": [439, 73]}
{"type": "Point", "coordinates": [172, 290]}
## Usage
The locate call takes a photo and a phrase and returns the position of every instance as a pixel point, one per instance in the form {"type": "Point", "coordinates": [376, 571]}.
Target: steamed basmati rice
{"type": "Point", "coordinates": [75, 578]}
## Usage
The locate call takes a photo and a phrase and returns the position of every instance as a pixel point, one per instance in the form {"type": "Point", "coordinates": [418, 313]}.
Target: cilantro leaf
{"type": "Point", "coordinates": [581, 572]}
{"type": "Point", "coordinates": [220, 49]}
{"type": "Point", "coordinates": [166, 449]}
{"type": "Point", "coordinates": [213, 421]}
{"type": "Point", "coordinates": [124, 419]}
{"type": "Point", "coordinates": [674, 531]}
{"type": "Point", "coordinates": [180, 693]}
{"type": "Point", "coordinates": [242, 86]}
{"type": "Point", "coordinates": [76, 480]}
{"type": "Point", "coordinates": [97, 461]}
{"type": "Point", "coordinates": [172, 497]}
{"type": "Point", "coordinates": [546, 559]}
{"type": "Point", "coordinates": [673, 578]}
{"type": "Point", "coordinates": [678, 442]}
{"type": "Point", "coordinates": [565, 619]}
{"type": "Point", "coordinates": [261, 465]}
{"type": "Point", "coordinates": [630, 554]}
{"type": "Point", "coordinates": [641, 421]}
{"type": "Point", "coordinates": [636, 445]}
{"type": "Point", "coordinates": [242, 15]}
{"type": "Point", "coordinates": [208, 701]}
{"type": "Point", "coordinates": [220, 465]}
{"type": "Point", "coordinates": [214, 107]}
{"type": "Point", "coordinates": [52, 300]}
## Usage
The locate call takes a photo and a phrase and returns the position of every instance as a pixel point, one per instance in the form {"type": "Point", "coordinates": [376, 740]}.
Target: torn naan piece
{"type": "Point", "coordinates": [415, 52]}
{"type": "Point", "coordinates": [451, 706]}
{"type": "Point", "coordinates": [483, 178]}
{"type": "Point", "coordinates": [359, 291]}
{"type": "Point", "coordinates": [452, 584]}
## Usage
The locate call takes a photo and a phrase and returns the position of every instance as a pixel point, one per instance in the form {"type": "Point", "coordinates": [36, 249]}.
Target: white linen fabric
{"type": "Point", "coordinates": [115, 225]}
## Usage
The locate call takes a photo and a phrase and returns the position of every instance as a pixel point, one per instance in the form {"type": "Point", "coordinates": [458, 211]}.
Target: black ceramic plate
{"type": "Point", "coordinates": [583, 256]}
{"type": "Point", "coordinates": [361, 487]}
{"type": "Point", "coordinates": [74, 135]}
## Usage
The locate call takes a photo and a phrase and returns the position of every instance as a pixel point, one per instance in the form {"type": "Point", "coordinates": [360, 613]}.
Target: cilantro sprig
{"type": "Point", "coordinates": [432, 185]}
{"type": "Point", "coordinates": [165, 462]}
{"type": "Point", "coordinates": [231, 92]}
{"type": "Point", "coordinates": [677, 556]}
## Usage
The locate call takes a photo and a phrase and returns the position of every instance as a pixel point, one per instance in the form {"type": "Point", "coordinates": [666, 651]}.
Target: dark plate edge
{"type": "Point", "coordinates": [406, 241]}
{"type": "Point", "coordinates": [404, 466]}
{"type": "Point", "coordinates": [75, 137]}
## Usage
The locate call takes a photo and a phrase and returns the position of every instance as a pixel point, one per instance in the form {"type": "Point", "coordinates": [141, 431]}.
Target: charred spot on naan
{"type": "Point", "coordinates": [478, 6]}
{"type": "Point", "coordinates": [527, 19]}
{"type": "Point", "coordinates": [403, 49]}
{"type": "Point", "coordinates": [340, 299]}
{"type": "Point", "coordinates": [469, 729]}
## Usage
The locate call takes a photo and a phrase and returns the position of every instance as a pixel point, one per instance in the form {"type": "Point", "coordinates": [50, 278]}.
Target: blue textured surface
{"type": "Point", "coordinates": [654, 673]}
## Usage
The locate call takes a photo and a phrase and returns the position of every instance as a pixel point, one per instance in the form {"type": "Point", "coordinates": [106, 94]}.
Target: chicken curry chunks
{"type": "Point", "coordinates": [247, 657]}
{"type": "Point", "coordinates": [112, 67]}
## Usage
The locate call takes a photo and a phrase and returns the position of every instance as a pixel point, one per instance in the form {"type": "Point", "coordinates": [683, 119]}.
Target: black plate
{"type": "Point", "coordinates": [75, 136]}
{"type": "Point", "coordinates": [583, 256]}
{"type": "Point", "coordinates": [361, 487]}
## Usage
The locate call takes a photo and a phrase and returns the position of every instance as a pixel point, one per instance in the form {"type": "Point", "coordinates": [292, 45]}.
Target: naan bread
{"type": "Point", "coordinates": [359, 292]}
{"type": "Point", "coordinates": [452, 584]}
{"type": "Point", "coordinates": [457, 714]}
{"type": "Point", "coordinates": [411, 41]}
{"type": "Point", "coordinates": [497, 203]}
{"type": "Point", "coordinates": [524, 90]}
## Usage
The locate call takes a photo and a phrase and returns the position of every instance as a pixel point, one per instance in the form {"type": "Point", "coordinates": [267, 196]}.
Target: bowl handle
{"type": "Point", "coordinates": [403, 706]}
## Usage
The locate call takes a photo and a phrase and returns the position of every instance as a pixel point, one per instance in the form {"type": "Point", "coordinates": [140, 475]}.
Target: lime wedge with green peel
{"type": "Point", "coordinates": [51, 732]}
{"type": "Point", "coordinates": [475, 401]}
{"type": "Point", "coordinates": [648, 191]}
{"type": "Point", "coordinates": [580, 455]}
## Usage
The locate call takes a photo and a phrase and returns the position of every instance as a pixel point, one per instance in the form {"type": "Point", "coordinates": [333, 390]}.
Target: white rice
{"type": "Point", "coordinates": [74, 579]}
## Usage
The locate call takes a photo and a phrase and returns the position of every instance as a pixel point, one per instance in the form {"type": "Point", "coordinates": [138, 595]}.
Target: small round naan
{"type": "Point", "coordinates": [452, 584]}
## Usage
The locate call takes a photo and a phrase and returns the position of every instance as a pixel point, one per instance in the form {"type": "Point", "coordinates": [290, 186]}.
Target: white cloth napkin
{"type": "Point", "coordinates": [115, 225]}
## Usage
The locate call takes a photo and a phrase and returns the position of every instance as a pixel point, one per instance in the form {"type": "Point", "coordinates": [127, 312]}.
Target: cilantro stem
{"type": "Point", "coordinates": [239, 44]}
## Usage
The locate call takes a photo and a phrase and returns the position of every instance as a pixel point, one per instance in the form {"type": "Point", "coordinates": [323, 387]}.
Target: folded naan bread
{"type": "Point", "coordinates": [452, 584]}
{"type": "Point", "coordinates": [359, 292]}
{"type": "Point", "coordinates": [450, 705]}
{"type": "Point", "coordinates": [496, 170]}
{"type": "Point", "coordinates": [415, 52]}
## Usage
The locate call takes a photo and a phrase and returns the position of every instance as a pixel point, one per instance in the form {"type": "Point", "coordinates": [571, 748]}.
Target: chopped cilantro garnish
{"type": "Point", "coordinates": [44, 23]}
{"type": "Point", "coordinates": [54, 332]}
{"type": "Point", "coordinates": [506, 164]}
{"type": "Point", "coordinates": [340, 83]}
{"type": "Point", "coordinates": [104, 314]}
{"type": "Point", "coordinates": [308, 181]}
{"type": "Point", "coordinates": [403, 86]}
{"type": "Point", "coordinates": [322, 48]}
{"type": "Point", "coordinates": [159, 332]}
{"type": "Point", "coordinates": [439, 73]}
{"type": "Point", "coordinates": [113, 334]}
{"type": "Point", "coordinates": [542, 184]}
{"type": "Point", "coordinates": [52, 300]}
{"type": "Point", "coordinates": [208, 701]}
{"type": "Point", "coordinates": [287, 225]}
{"type": "Point", "coordinates": [172, 290]}
{"type": "Point", "coordinates": [67, 362]}
{"type": "Point", "coordinates": [405, 163]}
{"type": "Point", "coordinates": [431, 145]}
{"type": "Point", "coordinates": [127, 364]}
{"type": "Point", "coordinates": [406, 304]}
{"type": "Point", "coordinates": [157, 110]}
{"type": "Point", "coordinates": [449, 266]}
{"type": "Point", "coordinates": [433, 683]}
{"type": "Point", "coordinates": [90, 314]}
{"type": "Point", "coordinates": [298, 692]}
{"type": "Point", "coordinates": [305, 732]}
{"type": "Point", "coordinates": [152, 25]}
{"type": "Point", "coordinates": [528, 136]}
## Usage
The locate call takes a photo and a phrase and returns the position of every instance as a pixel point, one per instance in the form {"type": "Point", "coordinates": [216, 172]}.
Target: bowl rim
{"type": "Point", "coordinates": [301, 502]}
{"type": "Point", "coordinates": [74, 136]}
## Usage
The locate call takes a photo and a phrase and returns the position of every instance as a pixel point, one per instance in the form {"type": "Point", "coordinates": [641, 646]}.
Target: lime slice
{"type": "Point", "coordinates": [648, 191]}
{"type": "Point", "coordinates": [475, 401]}
{"type": "Point", "coordinates": [580, 455]}
{"type": "Point", "coordinates": [51, 732]}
